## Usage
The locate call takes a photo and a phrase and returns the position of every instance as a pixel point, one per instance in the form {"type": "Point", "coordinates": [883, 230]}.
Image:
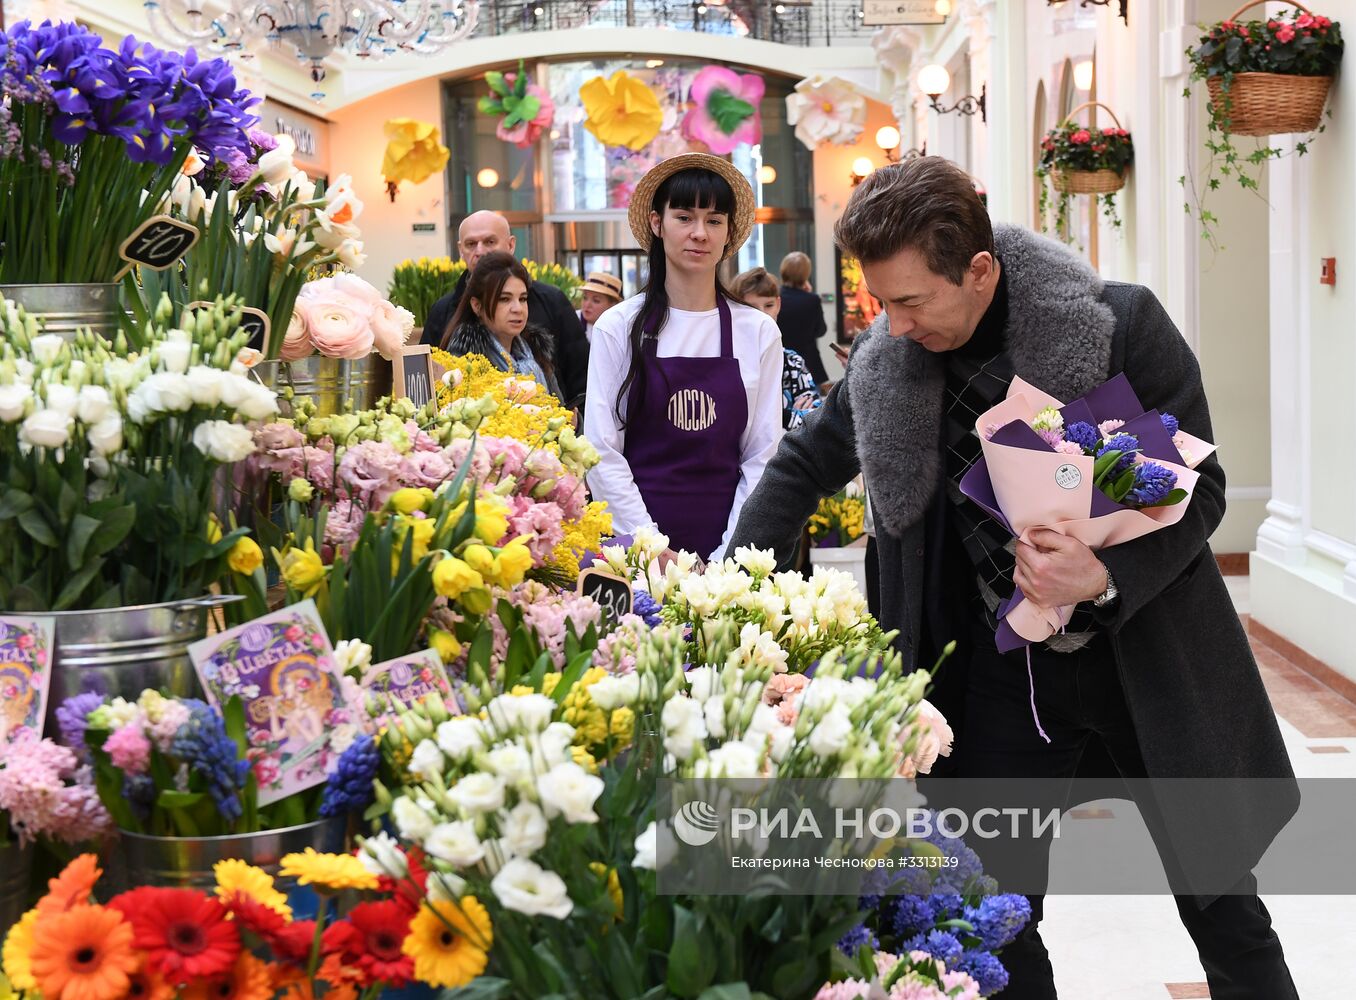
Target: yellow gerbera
{"type": "Point", "coordinates": [236, 876]}
{"type": "Point", "coordinates": [449, 941]}
{"type": "Point", "coordinates": [329, 871]}
{"type": "Point", "coordinates": [17, 952]}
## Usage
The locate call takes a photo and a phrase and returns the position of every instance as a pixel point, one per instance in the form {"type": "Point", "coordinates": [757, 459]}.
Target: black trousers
{"type": "Point", "coordinates": [1080, 698]}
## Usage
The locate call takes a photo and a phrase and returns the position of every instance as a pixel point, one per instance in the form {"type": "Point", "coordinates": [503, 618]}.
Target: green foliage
{"type": "Point", "coordinates": [417, 284]}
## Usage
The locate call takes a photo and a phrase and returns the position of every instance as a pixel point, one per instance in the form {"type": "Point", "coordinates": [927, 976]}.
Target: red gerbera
{"type": "Point", "coordinates": [184, 933]}
{"type": "Point", "coordinates": [381, 930]}
{"type": "Point", "coordinates": [255, 917]}
{"type": "Point", "coordinates": [293, 942]}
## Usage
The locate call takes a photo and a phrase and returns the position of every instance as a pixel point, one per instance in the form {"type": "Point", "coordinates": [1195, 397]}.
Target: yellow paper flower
{"type": "Point", "coordinates": [413, 152]}
{"type": "Point", "coordinates": [236, 876]}
{"type": "Point", "coordinates": [18, 951]}
{"type": "Point", "coordinates": [328, 871]}
{"type": "Point", "coordinates": [622, 111]}
{"type": "Point", "coordinates": [245, 556]}
{"type": "Point", "coordinates": [449, 941]}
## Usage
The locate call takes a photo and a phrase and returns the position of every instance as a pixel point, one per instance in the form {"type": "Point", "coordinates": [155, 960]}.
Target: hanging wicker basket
{"type": "Point", "coordinates": [1270, 103]}
{"type": "Point", "coordinates": [1088, 181]}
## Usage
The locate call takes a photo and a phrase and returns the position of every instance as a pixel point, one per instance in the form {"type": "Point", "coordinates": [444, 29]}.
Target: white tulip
{"type": "Point", "coordinates": [570, 791]}
{"type": "Point", "coordinates": [524, 886]}
{"type": "Point", "coordinates": [646, 844]}
{"type": "Point", "coordinates": [524, 830]}
{"type": "Point", "coordinates": [461, 737]}
{"type": "Point", "coordinates": [105, 437]}
{"type": "Point", "coordinates": [223, 441]}
{"type": "Point", "coordinates": [455, 843]}
{"type": "Point", "coordinates": [46, 429]}
{"type": "Point", "coordinates": [15, 401]}
{"type": "Point", "coordinates": [427, 761]}
{"type": "Point", "coordinates": [95, 404]}
{"type": "Point", "coordinates": [478, 793]}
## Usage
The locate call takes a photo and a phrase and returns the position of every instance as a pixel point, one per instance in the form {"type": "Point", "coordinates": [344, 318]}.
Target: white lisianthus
{"type": "Point", "coordinates": [15, 402]}
{"type": "Point", "coordinates": [713, 712]}
{"type": "Point", "coordinates": [164, 392]}
{"type": "Point", "coordinates": [411, 820]}
{"type": "Point", "coordinates": [701, 682]}
{"type": "Point", "coordinates": [61, 398]}
{"type": "Point", "coordinates": [353, 656]}
{"type": "Point", "coordinates": [461, 737]}
{"type": "Point", "coordinates": [275, 166]}
{"type": "Point", "coordinates": [120, 373]}
{"type": "Point", "coordinates": [529, 713]}
{"type": "Point", "coordinates": [478, 793]}
{"type": "Point", "coordinates": [553, 745]}
{"type": "Point", "coordinates": [223, 441]}
{"type": "Point", "coordinates": [524, 830]}
{"type": "Point", "coordinates": [684, 726]}
{"type": "Point", "coordinates": [646, 849]}
{"type": "Point", "coordinates": [455, 843]}
{"type": "Point", "coordinates": [511, 762]}
{"type": "Point", "coordinates": [175, 353]}
{"type": "Point", "coordinates": [525, 887]}
{"type": "Point", "coordinates": [381, 855]}
{"type": "Point", "coordinates": [445, 887]}
{"type": "Point", "coordinates": [46, 429]}
{"type": "Point", "coordinates": [570, 791]}
{"type": "Point", "coordinates": [254, 401]}
{"type": "Point", "coordinates": [613, 691]}
{"type": "Point", "coordinates": [45, 349]}
{"type": "Point", "coordinates": [205, 384]}
{"type": "Point", "coordinates": [94, 405]}
{"type": "Point", "coordinates": [105, 437]}
{"type": "Point", "coordinates": [427, 761]}
{"type": "Point", "coordinates": [730, 760]}
{"type": "Point", "coordinates": [831, 734]}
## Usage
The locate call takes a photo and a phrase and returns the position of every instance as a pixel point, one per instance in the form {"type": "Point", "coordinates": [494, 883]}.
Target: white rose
{"type": "Point", "coordinates": [456, 843]}
{"type": "Point", "coordinates": [46, 429]}
{"type": "Point", "coordinates": [427, 761]}
{"type": "Point", "coordinates": [46, 348]}
{"type": "Point", "coordinates": [94, 405]}
{"type": "Point", "coordinates": [524, 829]}
{"type": "Point", "coordinates": [512, 763]}
{"type": "Point", "coordinates": [570, 791]}
{"type": "Point", "coordinates": [412, 822]}
{"type": "Point", "coordinates": [105, 437]}
{"type": "Point", "coordinates": [15, 401]}
{"type": "Point", "coordinates": [275, 166]}
{"type": "Point", "coordinates": [684, 726]}
{"type": "Point", "coordinates": [646, 844]}
{"type": "Point", "coordinates": [524, 886]}
{"type": "Point", "coordinates": [478, 793]}
{"type": "Point", "coordinates": [381, 855]}
{"type": "Point", "coordinates": [223, 441]}
{"type": "Point", "coordinates": [612, 692]}
{"type": "Point", "coordinates": [461, 737]}
{"type": "Point", "coordinates": [732, 760]}
{"type": "Point", "coordinates": [831, 734]}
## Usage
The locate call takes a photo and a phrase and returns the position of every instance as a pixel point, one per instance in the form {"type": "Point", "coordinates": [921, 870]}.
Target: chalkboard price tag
{"type": "Point", "coordinates": [158, 243]}
{"type": "Point", "coordinates": [253, 321]}
{"type": "Point", "coordinates": [412, 374]}
{"type": "Point", "coordinates": [612, 593]}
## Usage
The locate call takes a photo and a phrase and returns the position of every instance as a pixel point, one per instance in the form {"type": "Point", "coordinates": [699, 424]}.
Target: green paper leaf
{"type": "Point", "coordinates": [497, 84]}
{"type": "Point", "coordinates": [727, 111]}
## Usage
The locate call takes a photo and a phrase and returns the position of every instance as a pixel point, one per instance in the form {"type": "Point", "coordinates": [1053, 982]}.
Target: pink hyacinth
{"type": "Point", "coordinates": [1054, 438]}
{"type": "Point", "coordinates": [848, 989]}
{"type": "Point", "coordinates": [173, 714]}
{"type": "Point", "coordinates": [1109, 427]}
{"type": "Point", "coordinates": [129, 748]}
{"type": "Point", "coordinates": [1068, 448]}
{"type": "Point", "coordinates": [35, 794]}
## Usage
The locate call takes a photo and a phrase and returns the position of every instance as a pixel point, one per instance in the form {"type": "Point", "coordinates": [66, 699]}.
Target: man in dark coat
{"type": "Point", "coordinates": [547, 306]}
{"type": "Point", "coordinates": [1155, 671]}
{"type": "Point", "coordinates": [802, 315]}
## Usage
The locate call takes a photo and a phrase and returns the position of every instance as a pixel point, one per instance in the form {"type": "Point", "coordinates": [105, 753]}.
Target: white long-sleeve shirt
{"type": "Point", "coordinates": [757, 347]}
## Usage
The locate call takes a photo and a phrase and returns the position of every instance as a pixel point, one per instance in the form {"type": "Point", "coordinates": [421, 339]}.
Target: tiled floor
{"type": "Point", "coordinates": [1134, 948]}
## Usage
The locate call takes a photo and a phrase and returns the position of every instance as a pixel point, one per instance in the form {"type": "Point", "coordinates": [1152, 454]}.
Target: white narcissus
{"type": "Point", "coordinates": [570, 791]}
{"type": "Point", "coordinates": [525, 887]}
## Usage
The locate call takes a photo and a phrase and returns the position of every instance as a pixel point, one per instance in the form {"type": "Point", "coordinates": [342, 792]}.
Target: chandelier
{"type": "Point", "coordinates": [369, 29]}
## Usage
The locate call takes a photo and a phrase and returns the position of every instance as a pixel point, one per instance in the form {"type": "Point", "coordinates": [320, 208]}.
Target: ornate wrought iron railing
{"type": "Point", "coordinates": [789, 22]}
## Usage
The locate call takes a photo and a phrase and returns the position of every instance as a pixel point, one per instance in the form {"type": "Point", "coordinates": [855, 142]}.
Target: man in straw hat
{"type": "Point", "coordinates": [1153, 678]}
{"type": "Point", "coordinates": [685, 383]}
{"type": "Point", "coordinates": [599, 293]}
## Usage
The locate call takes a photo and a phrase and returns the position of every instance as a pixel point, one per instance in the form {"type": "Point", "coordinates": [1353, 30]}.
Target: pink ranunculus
{"type": "Point", "coordinates": [372, 470]}
{"type": "Point", "coordinates": [129, 749]}
{"type": "Point", "coordinates": [356, 288]}
{"type": "Point", "coordinates": [338, 330]}
{"type": "Point", "coordinates": [388, 329]}
{"type": "Point", "coordinates": [297, 343]}
{"type": "Point", "coordinates": [716, 83]}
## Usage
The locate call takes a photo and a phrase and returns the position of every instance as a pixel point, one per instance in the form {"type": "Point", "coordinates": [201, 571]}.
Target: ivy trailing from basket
{"type": "Point", "coordinates": [1289, 44]}
{"type": "Point", "coordinates": [1074, 147]}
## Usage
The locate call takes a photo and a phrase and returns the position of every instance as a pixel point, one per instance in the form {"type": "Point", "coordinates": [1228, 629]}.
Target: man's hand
{"type": "Point", "coordinates": [1055, 570]}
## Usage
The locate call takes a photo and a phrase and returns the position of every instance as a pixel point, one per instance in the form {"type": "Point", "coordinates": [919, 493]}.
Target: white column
{"type": "Point", "coordinates": [1180, 243]}
{"type": "Point", "coordinates": [980, 24]}
{"type": "Point", "coordinates": [895, 50]}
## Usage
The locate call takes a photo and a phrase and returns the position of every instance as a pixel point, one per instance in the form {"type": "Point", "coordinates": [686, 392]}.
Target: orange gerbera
{"type": "Point", "coordinates": [84, 953]}
{"type": "Point", "coordinates": [249, 979]}
{"type": "Point", "coordinates": [72, 886]}
{"type": "Point", "coordinates": [147, 984]}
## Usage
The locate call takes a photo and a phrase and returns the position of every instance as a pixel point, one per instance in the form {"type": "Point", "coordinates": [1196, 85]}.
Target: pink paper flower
{"type": "Point", "coordinates": [129, 749]}
{"type": "Point", "coordinates": [526, 133]}
{"type": "Point", "coordinates": [725, 112]}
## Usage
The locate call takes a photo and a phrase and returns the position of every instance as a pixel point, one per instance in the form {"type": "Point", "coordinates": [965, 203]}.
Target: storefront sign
{"type": "Point", "coordinates": [877, 13]}
{"type": "Point", "coordinates": [311, 134]}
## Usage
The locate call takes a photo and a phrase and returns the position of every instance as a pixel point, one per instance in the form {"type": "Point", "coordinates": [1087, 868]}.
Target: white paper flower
{"type": "Point", "coordinates": [46, 429]}
{"type": "Point", "coordinates": [15, 402]}
{"type": "Point", "coordinates": [411, 820]}
{"type": "Point", "coordinates": [524, 830]}
{"type": "Point", "coordinates": [427, 761]}
{"type": "Point", "coordinates": [223, 441]}
{"type": "Point", "coordinates": [478, 793]}
{"type": "Point", "coordinates": [826, 109]}
{"type": "Point", "coordinates": [570, 791]}
{"type": "Point", "coordinates": [526, 887]}
{"type": "Point", "coordinates": [646, 844]}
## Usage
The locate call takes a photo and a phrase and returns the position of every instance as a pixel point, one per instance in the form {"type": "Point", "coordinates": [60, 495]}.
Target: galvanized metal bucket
{"type": "Point", "coordinates": [64, 309]}
{"type": "Point", "coordinates": [122, 651]}
{"type": "Point", "coordinates": [16, 869]}
{"type": "Point", "coordinates": [330, 382]}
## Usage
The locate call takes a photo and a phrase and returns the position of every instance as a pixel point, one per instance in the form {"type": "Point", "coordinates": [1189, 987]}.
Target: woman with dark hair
{"type": "Point", "coordinates": [491, 320]}
{"type": "Point", "coordinates": [687, 379]}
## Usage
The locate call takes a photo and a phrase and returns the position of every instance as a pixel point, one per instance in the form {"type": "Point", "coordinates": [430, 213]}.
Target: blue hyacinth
{"type": "Point", "coordinates": [941, 945]}
{"type": "Point", "coordinates": [1082, 434]}
{"type": "Point", "coordinates": [998, 920]}
{"type": "Point", "coordinates": [1153, 483]}
{"type": "Point", "coordinates": [202, 744]}
{"type": "Point", "coordinates": [72, 718]}
{"type": "Point", "coordinates": [139, 791]}
{"type": "Point", "coordinates": [349, 788]}
{"type": "Point", "coordinates": [646, 607]}
{"type": "Point", "coordinates": [985, 969]}
{"type": "Point", "coordinates": [855, 938]}
{"type": "Point", "coordinates": [1169, 423]}
{"type": "Point", "coordinates": [1127, 444]}
{"type": "Point", "coordinates": [905, 916]}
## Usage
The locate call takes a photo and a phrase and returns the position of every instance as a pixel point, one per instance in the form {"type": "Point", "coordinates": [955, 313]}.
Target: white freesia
{"type": "Point", "coordinates": [525, 887]}
{"type": "Point", "coordinates": [646, 848]}
{"type": "Point", "coordinates": [352, 656]}
{"type": "Point", "coordinates": [381, 855]}
{"type": "Point", "coordinates": [427, 761]}
{"type": "Point", "coordinates": [46, 429]}
{"type": "Point", "coordinates": [94, 404]}
{"type": "Point", "coordinates": [46, 348]}
{"type": "Point", "coordinates": [223, 441]}
{"type": "Point", "coordinates": [456, 843]}
{"type": "Point", "coordinates": [478, 793]}
{"type": "Point", "coordinates": [524, 830]}
{"type": "Point", "coordinates": [412, 822]}
{"type": "Point", "coordinates": [570, 791]}
{"type": "Point", "coordinates": [613, 691]}
{"type": "Point", "coordinates": [105, 437]}
{"type": "Point", "coordinates": [759, 562]}
{"type": "Point", "coordinates": [15, 402]}
{"type": "Point", "coordinates": [461, 737]}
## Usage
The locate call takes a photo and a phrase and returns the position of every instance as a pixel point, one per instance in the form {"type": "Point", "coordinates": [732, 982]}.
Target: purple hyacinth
{"type": "Point", "coordinates": [72, 718]}
{"type": "Point", "coordinates": [1127, 444]}
{"type": "Point", "coordinates": [1169, 423]}
{"type": "Point", "coordinates": [349, 788]}
{"type": "Point", "coordinates": [1153, 483]}
{"type": "Point", "coordinates": [985, 969]}
{"type": "Point", "coordinates": [998, 920]}
{"type": "Point", "coordinates": [1083, 434]}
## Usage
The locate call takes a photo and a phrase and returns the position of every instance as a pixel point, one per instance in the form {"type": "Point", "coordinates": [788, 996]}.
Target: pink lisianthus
{"type": "Point", "coordinates": [344, 524]}
{"type": "Point", "coordinates": [427, 468]}
{"type": "Point", "coordinates": [419, 440]}
{"type": "Point", "coordinates": [277, 435]}
{"type": "Point", "coordinates": [524, 134]}
{"type": "Point", "coordinates": [480, 457]}
{"type": "Point", "coordinates": [713, 121]}
{"type": "Point", "coordinates": [571, 496]}
{"type": "Point", "coordinates": [371, 469]}
{"type": "Point", "coordinates": [129, 749]}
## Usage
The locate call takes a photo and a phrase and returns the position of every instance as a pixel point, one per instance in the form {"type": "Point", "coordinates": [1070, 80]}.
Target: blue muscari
{"type": "Point", "coordinates": [202, 744]}
{"type": "Point", "coordinates": [349, 788]}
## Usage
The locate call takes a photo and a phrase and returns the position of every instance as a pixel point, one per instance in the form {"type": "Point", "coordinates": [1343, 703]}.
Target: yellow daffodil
{"type": "Point", "coordinates": [302, 568]}
{"type": "Point", "coordinates": [449, 941]}
{"type": "Point", "coordinates": [491, 519]}
{"type": "Point", "coordinates": [445, 644]}
{"type": "Point", "coordinates": [452, 578]}
{"type": "Point", "coordinates": [477, 601]}
{"type": "Point", "coordinates": [327, 871]}
{"type": "Point", "coordinates": [213, 529]}
{"type": "Point", "coordinates": [622, 111]}
{"type": "Point", "coordinates": [245, 556]}
{"type": "Point", "coordinates": [512, 562]}
{"type": "Point", "coordinates": [479, 558]}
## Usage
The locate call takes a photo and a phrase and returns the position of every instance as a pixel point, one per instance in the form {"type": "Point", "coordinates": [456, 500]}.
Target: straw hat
{"type": "Point", "coordinates": [604, 284]}
{"type": "Point", "coordinates": [741, 224]}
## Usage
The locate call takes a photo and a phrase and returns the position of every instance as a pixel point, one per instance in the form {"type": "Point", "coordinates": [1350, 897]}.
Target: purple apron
{"type": "Point", "coordinates": [682, 438]}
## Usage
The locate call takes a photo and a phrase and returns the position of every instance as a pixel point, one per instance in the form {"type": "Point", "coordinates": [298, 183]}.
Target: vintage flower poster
{"type": "Point", "coordinates": [25, 673]}
{"type": "Point", "coordinates": [405, 681]}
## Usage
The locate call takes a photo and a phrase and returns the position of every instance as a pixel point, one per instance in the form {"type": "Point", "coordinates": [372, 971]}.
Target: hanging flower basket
{"type": "Point", "coordinates": [1271, 103]}
{"type": "Point", "coordinates": [1083, 160]}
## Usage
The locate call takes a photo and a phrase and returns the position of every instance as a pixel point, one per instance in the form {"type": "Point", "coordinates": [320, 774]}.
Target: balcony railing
{"type": "Point", "coordinates": [790, 22]}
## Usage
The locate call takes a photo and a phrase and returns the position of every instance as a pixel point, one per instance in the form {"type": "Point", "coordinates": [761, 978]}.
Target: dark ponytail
{"type": "Point", "coordinates": [691, 188]}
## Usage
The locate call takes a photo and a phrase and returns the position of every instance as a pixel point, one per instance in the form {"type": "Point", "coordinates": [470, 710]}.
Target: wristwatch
{"type": "Point", "coordinates": [1108, 595]}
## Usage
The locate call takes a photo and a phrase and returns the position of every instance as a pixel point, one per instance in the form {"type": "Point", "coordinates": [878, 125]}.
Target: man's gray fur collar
{"type": "Point", "coordinates": [1058, 337]}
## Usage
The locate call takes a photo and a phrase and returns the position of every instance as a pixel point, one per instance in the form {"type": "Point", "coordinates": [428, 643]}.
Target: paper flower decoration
{"type": "Point", "coordinates": [525, 110]}
{"type": "Point", "coordinates": [826, 109]}
{"type": "Point", "coordinates": [413, 152]}
{"type": "Point", "coordinates": [621, 111]}
{"type": "Point", "coordinates": [725, 111]}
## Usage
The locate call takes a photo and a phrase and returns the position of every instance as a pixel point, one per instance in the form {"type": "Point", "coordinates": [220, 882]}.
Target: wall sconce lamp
{"type": "Point", "coordinates": [1124, 5]}
{"type": "Point", "coordinates": [487, 177]}
{"type": "Point", "coordinates": [933, 81]}
{"type": "Point", "coordinates": [888, 139]}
